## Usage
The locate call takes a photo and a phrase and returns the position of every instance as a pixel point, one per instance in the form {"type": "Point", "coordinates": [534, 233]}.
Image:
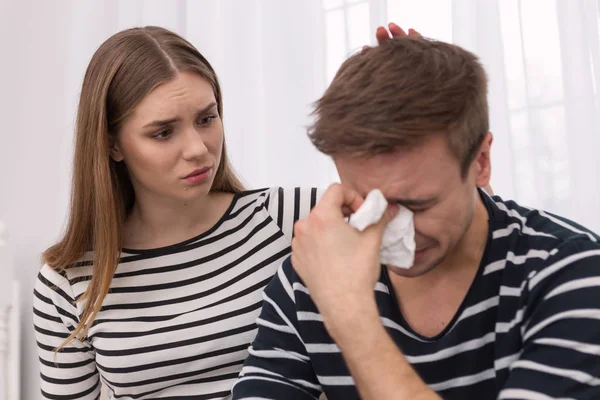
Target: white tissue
{"type": "Point", "coordinates": [398, 244]}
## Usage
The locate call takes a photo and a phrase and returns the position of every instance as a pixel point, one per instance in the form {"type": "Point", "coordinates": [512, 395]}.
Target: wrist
{"type": "Point", "coordinates": [354, 323]}
{"type": "Point", "coordinates": [369, 357]}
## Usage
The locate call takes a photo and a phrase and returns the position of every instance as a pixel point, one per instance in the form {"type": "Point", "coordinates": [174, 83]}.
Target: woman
{"type": "Point", "coordinates": [156, 285]}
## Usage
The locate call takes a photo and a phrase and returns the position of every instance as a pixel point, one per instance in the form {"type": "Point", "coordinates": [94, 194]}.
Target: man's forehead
{"type": "Point", "coordinates": [402, 182]}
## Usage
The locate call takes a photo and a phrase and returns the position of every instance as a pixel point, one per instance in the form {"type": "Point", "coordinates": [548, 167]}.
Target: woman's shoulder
{"type": "Point", "coordinates": [52, 286]}
{"type": "Point", "coordinates": [285, 206]}
{"type": "Point", "coordinates": [278, 199]}
{"type": "Point", "coordinates": [63, 279]}
{"type": "Point", "coordinates": [52, 277]}
{"type": "Point", "coordinates": [256, 197]}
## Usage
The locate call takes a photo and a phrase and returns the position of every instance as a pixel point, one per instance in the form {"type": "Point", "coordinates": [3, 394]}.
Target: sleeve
{"type": "Point", "coordinates": [278, 366]}
{"type": "Point", "coordinates": [71, 372]}
{"type": "Point", "coordinates": [560, 357]}
{"type": "Point", "coordinates": [286, 206]}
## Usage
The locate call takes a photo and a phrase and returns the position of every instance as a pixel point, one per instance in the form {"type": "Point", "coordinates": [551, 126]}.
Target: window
{"type": "Point", "coordinates": [530, 88]}
{"type": "Point", "coordinates": [347, 29]}
{"type": "Point", "coordinates": [433, 18]}
{"type": "Point", "coordinates": [351, 24]}
{"type": "Point", "coordinates": [536, 101]}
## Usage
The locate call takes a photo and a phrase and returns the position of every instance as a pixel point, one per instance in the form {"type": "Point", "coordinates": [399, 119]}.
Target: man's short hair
{"type": "Point", "coordinates": [398, 94]}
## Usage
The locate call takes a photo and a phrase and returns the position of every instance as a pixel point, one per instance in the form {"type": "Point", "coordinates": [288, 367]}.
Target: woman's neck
{"type": "Point", "coordinates": [154, 223]}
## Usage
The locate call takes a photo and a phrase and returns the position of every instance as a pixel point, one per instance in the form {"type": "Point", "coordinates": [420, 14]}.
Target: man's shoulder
{"type": "Point", "coordinates": [526, 240]}
{"type": "Point", "coordinates": [287, 277]}
{"type": "Point", "coordinates": [529, 228]}
{"type": "Point", "coordinates": [533, 244]}
{"type": "Point", "coordinates": [574, 258]}
{"type": "Point", "coordinates": [288, 287]}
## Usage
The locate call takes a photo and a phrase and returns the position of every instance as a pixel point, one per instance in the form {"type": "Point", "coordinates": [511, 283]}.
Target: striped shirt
{"type": "Point", "coordinates": [528, 328]}
{"type": "Point", "coordinates": [178, 320]}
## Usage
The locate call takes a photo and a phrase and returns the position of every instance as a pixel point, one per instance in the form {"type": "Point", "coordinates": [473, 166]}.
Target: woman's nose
{"type": "Point", "coordinates": [193, 145]}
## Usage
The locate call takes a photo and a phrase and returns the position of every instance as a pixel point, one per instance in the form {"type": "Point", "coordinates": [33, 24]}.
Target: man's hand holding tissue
{"type": "Point", "coordinates": [340, 265]}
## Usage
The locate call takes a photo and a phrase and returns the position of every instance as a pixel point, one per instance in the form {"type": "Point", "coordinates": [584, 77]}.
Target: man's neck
{"type": "Point", "coordinates": [439, 293]}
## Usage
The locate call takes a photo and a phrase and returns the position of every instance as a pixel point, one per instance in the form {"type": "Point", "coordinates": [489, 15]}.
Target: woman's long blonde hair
{"type": "Point", "coordinates": [121, 73]}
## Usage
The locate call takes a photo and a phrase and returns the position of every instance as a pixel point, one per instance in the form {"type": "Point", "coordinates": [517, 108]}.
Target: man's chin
{"type": "Point", "coordinates": [411, 272]}
{"type": "Point", "coordinates": [420, 267]}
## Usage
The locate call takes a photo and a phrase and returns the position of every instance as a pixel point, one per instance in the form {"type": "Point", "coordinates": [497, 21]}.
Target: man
{"type": "Point", "coordinates": [502, 301]}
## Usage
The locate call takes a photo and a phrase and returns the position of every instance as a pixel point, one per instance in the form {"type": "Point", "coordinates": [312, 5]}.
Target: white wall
{"type": "Point", "coordinates": [270, 57]}
{"type": "Point", "coordinates": [45, 47]}
{"type": "Point", "coordinates": [34, 145]}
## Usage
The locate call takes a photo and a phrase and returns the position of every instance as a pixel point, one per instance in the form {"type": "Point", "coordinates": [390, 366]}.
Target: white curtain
{"type": "Point", "coordinates": [268, 54]}
{"type": "Point", "coordinates": [543, 61]}
{"type": "Point", "coordinates": [274, 58]}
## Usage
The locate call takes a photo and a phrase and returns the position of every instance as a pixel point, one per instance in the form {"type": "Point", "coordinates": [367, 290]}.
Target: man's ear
{"type": "Point", "coordinates": [483, 163]}
{"type": "Point", "coordinates": [115, 150]}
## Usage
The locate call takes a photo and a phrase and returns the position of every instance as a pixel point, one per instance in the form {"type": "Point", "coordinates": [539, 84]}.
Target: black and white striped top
{"type": "Point", "coordinates": [178, 320]}
{"type": "Point", "coordinates": [529, 327]}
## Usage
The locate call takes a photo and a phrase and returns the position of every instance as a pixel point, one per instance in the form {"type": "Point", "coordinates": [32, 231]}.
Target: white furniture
{"type": "Point", "coordinates": [10, 343]}
{"type": "Point", "coordinates": [3, 352]}
{"type": "Point", "coordinates": [10, 334]}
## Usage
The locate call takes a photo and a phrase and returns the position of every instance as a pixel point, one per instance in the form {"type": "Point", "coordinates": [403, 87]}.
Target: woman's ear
{"type": "Point", "coordinates": [115, 150]}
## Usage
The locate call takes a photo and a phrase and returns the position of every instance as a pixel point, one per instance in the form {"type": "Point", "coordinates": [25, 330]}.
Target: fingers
{"type": "Point", "coordinates": [377, 229]}
{"type": "Point", "coordinates": [347, 211]}
{"type": "Point", "coordinates": [341, 200]}
{"type": "Point", "coordinates": [387, 217]}
{"type": "Point", "coordinates": [395, 30]}
{"type": "Point", "coordinates": [412, 32]}
{"type": "Point", "coordinates": [300, 227]}
{"type": "Point", "coordinates": [382, 35]}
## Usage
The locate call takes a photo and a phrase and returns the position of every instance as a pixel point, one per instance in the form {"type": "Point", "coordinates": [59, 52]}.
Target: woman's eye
{"type": "Point", "coordinates": [206, 120]}
{"type": "Point", "coordinates": [164, 134]}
